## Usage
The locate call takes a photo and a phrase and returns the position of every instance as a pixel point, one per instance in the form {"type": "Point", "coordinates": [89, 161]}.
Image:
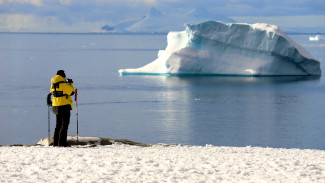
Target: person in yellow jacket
{"type": "Point", "coordinates": [61, 89]}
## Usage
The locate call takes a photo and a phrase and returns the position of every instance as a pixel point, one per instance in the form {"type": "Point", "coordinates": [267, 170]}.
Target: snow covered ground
{"type": "Point", "coordinates": [126, 163]}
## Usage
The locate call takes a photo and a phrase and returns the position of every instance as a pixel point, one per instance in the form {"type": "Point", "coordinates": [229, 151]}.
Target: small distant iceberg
{"type": "Point", "coordinates": [217, 48]}
{"type": "Point", "coordinates": [316, 38]}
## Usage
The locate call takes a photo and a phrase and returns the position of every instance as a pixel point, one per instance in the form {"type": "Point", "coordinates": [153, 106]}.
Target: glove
{"type": "Point", "coordinates": [70, 81]}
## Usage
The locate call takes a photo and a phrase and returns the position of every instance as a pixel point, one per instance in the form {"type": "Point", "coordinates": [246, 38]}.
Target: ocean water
{"type": "Point", "coordinates": [284, 112]}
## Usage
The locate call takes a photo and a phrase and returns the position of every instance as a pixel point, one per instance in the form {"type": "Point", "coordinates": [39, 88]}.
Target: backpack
{"type": "Point", "coordinates": [48, 99]}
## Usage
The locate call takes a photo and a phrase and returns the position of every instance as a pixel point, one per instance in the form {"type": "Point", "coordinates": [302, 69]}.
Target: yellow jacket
{"type": "Point", "coordinates": [62, 92]}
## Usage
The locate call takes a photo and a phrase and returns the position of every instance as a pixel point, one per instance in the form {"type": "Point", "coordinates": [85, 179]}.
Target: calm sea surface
{"type": "Point", "coordinates": [286, 112]}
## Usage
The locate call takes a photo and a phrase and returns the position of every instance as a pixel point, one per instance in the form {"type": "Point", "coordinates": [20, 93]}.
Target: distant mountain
{"type": "Point", "coordinates": [153, 12]}
{"type": "Point", "coordinates": [156, 22]}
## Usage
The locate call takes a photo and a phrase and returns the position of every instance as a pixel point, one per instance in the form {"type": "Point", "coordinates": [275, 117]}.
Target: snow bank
{"type": "Point", "coordinates": [125, 163]}
{"type": "Point", "coordinates": [217, 48]}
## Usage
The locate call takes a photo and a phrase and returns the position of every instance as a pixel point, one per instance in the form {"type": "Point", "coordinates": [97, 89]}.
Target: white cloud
{"type": "Point", "coordinates": [34, 23]}
{"type": "Point", "coordinates": [34, 2]}
{"type": "Point", "coordinates": [65, 2]}
{"type": "Point", "coordinates": [18, 22]}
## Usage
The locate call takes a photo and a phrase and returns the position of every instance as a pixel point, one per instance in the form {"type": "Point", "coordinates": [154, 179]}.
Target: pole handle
{"type": "Point", "coordinates": [76, 94]}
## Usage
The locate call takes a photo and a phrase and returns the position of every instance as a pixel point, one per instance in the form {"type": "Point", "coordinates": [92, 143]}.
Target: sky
{"type": "Point", "coordinates": [90, 15]}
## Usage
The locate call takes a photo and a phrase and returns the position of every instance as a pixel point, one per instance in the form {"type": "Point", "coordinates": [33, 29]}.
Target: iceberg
{"type": "Point", "coordinates": [316, 38]}
{"type": "Point", "coordinates": [217, 48]}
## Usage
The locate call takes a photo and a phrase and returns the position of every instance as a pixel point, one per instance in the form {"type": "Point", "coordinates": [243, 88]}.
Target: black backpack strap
{"type": "Point", "coordinates": [58, 93]}
{"type": "Point", "coordinates": [57, 85]}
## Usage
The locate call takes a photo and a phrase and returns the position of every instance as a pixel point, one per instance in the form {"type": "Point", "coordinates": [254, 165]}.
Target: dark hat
{"type": "Point", "coordinates": [61, 73]}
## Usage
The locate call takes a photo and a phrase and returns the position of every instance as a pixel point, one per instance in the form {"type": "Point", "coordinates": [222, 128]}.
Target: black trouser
{"type": "Point", "coordinates": [62, 124]}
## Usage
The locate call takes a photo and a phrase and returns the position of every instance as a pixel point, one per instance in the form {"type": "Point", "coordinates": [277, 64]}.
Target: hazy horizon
{"type": "Point", "coordinates": [89, 16]}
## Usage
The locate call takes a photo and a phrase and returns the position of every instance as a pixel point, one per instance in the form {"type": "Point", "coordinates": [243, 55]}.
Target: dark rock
{"type": "Point", "coordinates": [16, 145]}
{"type": "Point", "coordinates": [105, 141]}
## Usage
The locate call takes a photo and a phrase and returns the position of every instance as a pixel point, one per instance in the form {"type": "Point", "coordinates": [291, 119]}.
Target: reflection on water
{"type": "Point", "coordinates": [239, 111]}
{"type": "Point", "coordinates": [215, 80]}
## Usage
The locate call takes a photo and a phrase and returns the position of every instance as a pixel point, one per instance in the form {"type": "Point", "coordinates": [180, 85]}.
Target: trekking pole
{"type": "Point", "coordinates": [49, 105]}
{"type": "Point", "coordinates": [49, 123]}
{"type": "Point", "coordinates": [76, 99]}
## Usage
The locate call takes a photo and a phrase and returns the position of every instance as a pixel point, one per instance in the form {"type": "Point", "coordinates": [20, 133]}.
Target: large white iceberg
{"type": "Point", "coordinates": [216, 48]}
